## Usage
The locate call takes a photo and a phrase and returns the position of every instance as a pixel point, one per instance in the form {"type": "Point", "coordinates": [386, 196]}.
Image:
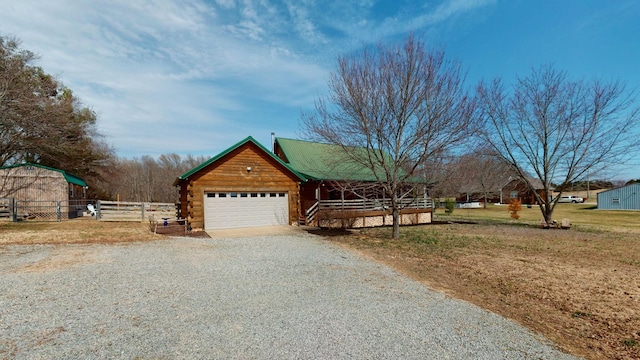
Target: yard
{"type": "Point", "coordinates": [579, 287]}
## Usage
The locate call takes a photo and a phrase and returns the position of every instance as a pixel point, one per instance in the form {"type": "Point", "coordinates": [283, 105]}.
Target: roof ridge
{"type": "Point", "coordinates": [307, 141]}
{"type": "Point", "coordinates": [230, 149]}
{"type": "Point", "coordinates": [68, 177]}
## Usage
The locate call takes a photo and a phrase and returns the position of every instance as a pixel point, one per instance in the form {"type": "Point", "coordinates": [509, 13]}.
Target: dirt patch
{"type": "Point", "coordinates": [62, 259]}
{"type": "Point", "coordinates": [76, 231]}
{"type": "Point", "coordinates": [579, 289]}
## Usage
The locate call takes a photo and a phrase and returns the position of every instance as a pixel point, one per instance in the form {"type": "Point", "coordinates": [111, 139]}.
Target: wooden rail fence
{"type": "Point", "coordinates": [135, 211]}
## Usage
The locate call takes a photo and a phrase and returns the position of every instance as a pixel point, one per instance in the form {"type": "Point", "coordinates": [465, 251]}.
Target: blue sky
{"type": "Point", "coordinates": [196, 76]}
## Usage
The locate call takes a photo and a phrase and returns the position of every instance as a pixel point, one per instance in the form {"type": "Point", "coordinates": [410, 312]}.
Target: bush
{"type": "Point", "coordinates": [449, 205]}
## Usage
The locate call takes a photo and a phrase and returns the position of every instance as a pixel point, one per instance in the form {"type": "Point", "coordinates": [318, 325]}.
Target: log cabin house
{"type": "Point", "coordinates": [300, 182]}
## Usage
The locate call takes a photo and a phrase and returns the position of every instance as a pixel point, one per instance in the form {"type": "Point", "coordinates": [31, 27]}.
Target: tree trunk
{"type": "Point", "coordinates": [547, 213]}
{"type": "Point", "coordinates": [396, 222]}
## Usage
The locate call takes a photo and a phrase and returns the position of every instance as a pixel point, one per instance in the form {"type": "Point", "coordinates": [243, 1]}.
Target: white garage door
{"type": "Point", "coordinates": [224, 210]}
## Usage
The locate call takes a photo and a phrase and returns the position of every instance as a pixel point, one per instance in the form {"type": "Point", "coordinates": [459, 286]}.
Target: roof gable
{"type": "Point", "coordinates": [320, 161]}
{"type": "Point", "coordinates": [248, 139]}
{"type": "Point", "coordinates": [68, 177]}
{"type": "Point", "coordinates": [535, 182]}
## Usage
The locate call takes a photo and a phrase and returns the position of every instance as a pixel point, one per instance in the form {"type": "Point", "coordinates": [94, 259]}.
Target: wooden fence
{"type": "Point", "coordinates": [6, 209]}
{"type": "Point", "coordinates": [135, 211]}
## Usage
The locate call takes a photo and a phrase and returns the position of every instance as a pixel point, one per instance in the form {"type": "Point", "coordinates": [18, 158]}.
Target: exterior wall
{"type": "Point", "coordinates": [525, 195]}
{"type": "Point", "coordinates": [26, 183]}
{"type": "Point", "coordinates": [308, 194]}
{"type": "Point", "coordinates": [76, 192]}
{"type": "Point", "coordinates": [230, 174]}
{"type": "Point", "coordinates": [624, 198]}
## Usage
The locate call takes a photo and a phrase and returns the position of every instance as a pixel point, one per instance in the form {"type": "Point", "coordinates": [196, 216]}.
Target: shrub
{"type": "Point", "coordinates": [449, 205]}
{"type": "Point", "coordinates": [515, 205]}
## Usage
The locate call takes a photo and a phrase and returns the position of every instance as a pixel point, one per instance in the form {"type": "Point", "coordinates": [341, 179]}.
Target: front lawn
{"type": "Point", "coordinates": [579, 287]}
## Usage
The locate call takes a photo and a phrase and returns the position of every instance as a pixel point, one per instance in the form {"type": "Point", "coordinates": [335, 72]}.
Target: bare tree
{"type": "Point", "coordinates": [557, 130]}
{"type": "Point", "coordinates": [483, 173]}
{"type": "Point", "coordinates": [443, 175]}
{"type": "Point", "coordinates": [146, 178]}
{"type": "Point", "coordinates": [401, 104]}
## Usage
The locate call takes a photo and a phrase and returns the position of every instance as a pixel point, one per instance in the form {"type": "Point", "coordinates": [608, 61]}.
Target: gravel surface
{"type": "Point", "coordinates": [265, 297]}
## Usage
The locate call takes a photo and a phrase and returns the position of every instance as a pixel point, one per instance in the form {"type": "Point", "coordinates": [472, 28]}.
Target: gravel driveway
{"type": "Point", "coordinates": [289, 296]}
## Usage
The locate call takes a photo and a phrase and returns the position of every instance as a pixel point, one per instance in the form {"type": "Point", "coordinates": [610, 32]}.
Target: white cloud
{"type": "Point", "coordinates": [452, 8]}
{"type": "Point", "coordinates": [183, 75]}
{"type": "Point", "coordinates": [303, 24]}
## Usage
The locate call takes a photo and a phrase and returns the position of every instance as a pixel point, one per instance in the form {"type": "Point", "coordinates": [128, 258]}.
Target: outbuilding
{"type": "Point", "coordinates": [42, 192]}
{"type": "Point", "coordinates": [246, 185]}
{"type": "Point", "coordinates": [622, 198]}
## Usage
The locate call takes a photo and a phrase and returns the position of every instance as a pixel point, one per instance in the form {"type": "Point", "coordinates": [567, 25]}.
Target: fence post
{"type": "Point", "coordinates": [12, 210]}
{"type": "Point", "coordinates": [58, 211]}
{"type": "Point", "coordinates": [98, 215]}
{"type": "Point", "coordinates": [143, 205]}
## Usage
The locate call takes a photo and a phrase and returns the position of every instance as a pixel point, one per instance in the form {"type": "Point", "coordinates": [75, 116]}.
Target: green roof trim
{"type": "Point", "coordinates": [68, 177]}
{"type": "Point", "coordinates": [320, 161]}
{"type": "Point", "coordinates": [232, 148]}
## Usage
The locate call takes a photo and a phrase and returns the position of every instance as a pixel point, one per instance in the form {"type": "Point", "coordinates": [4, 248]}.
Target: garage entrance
{"type": "Point", "coordinates": [226, 210]}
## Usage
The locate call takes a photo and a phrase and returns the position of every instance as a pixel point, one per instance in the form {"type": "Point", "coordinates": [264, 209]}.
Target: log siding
{"type": "Point", "coordinates": [246, 168]}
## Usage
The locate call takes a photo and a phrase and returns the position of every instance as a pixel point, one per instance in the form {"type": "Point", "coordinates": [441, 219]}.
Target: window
{"type": "Point", "coordinates": [211, 194]}
{"type": "Point", "coordinates": [281, 194]}
{"type": "Point", "coordinates": [243, 194]}
{"type": "Point", "coordinates": [272, 195]}
{"type": "Point", "coordinates": [222, 195]}
{"type": "Point", "coordinates": [514, 195]}
{"type": "Point", "coordinates": [254, 194]}
{"type": "Point", "coordinates": [234, 194]}
{"type": "Point", "coordinates": [263, 195]}
{"type": "Point", "coordinates": [615, 200]}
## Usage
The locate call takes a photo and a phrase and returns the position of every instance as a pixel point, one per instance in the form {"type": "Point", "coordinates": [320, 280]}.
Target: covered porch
{"type": "Point", "coordinates": [333, 204]}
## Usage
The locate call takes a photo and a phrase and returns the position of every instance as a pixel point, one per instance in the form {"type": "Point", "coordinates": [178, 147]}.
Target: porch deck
{"type": "Point", "coordinates": [366, 213]}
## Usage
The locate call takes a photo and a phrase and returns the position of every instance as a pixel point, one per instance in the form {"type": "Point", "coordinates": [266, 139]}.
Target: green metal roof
{"type": "Point", "coordinates": [320, 161]}
{"type": "Point", "coordinates": [68, 177]}
{"type": "Point", "coordinates": [232, 148]}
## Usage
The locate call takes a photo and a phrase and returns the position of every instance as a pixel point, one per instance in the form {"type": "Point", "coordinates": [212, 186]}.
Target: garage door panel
{"type": "Point", "coordinates": [242, 209]}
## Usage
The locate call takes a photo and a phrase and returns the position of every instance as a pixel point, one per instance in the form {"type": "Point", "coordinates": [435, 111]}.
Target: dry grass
{"type": "Point", "coordinates": [579, 287]}
{"type": "Point", "coordinates": [77, 231]}
{"type": "Point", "coordinates": [583, 217]}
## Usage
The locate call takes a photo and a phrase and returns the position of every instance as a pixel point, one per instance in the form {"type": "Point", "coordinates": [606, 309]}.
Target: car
{"type": "Point", "coordinates": [570, 199]}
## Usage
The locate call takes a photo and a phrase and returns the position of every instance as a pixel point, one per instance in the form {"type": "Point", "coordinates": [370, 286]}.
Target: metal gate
{"type": "Point", "coordinates": [41, 210]}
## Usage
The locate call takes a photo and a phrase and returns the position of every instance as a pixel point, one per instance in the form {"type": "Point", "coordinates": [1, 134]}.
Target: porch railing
{"type": "Point", "coordinates": [310, 214]}
{"type": "Point", "coordinates": [373, 204]}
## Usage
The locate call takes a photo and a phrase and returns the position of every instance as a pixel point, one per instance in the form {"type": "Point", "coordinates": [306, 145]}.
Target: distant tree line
{"type": "Point", "coordinates": [146, 178]}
